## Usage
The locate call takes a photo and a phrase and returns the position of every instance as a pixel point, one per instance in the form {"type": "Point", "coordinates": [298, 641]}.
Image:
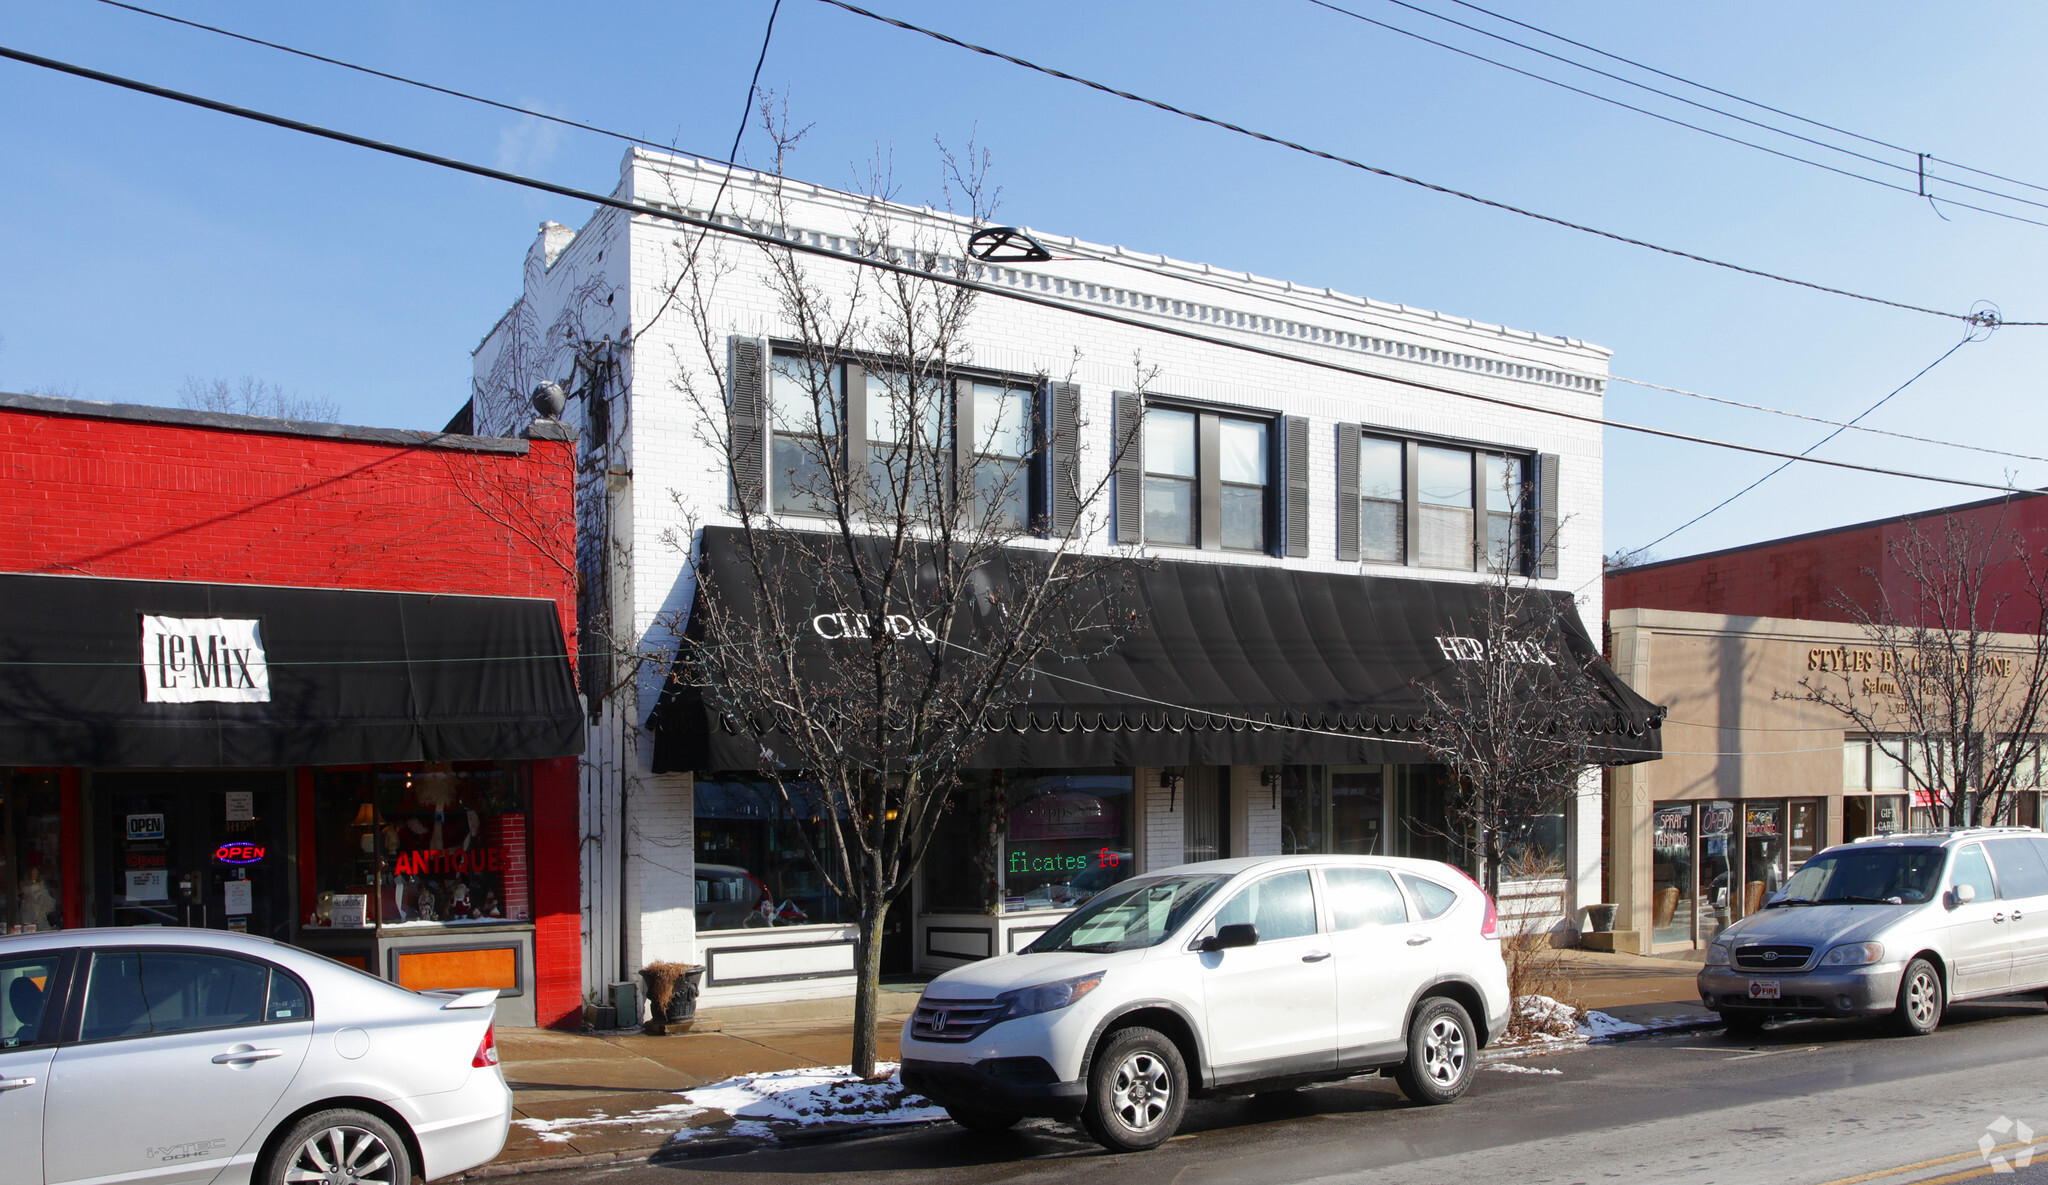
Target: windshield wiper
{"type": "Point", "coordinates": [1854, 900]}
{"type": "Point", "coordinates": [1091, 948]}
{"type": "Point", "coordinates": [1790, 901]}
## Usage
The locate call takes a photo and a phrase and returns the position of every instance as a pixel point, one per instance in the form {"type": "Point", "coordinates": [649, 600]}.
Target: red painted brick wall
{"type": "Point", "coordinates": [557, 896]}
{"type": "Point", "coordinates": [1808, 577]}
{"type": "Point", "coordinates": [152, 501]}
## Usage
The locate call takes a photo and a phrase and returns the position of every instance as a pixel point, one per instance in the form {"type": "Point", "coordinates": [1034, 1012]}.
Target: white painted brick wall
{"type": "Point", "coordinates": [613, 278]}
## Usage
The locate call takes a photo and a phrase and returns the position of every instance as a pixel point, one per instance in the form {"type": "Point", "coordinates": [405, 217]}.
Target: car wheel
{"type": "Point", "coordinates": [1137, 1091]}
{"type": "Point", "coordinates": [1443, 1053]}
{"type": "Point", "coordinates": [1921, 1000]}
{"type": "Point", "coordinates": [1742, 1024]}
{"type": "Point", "coordinates": [343, 1146]}
{"type": "Point", "coordinates": [975, 1119]}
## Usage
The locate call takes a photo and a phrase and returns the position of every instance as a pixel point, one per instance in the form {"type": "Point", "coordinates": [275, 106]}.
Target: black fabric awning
{"type": "Point", "coordinates": [87, 666]}
{"type": "Point", "coordinates": [1231, 664]}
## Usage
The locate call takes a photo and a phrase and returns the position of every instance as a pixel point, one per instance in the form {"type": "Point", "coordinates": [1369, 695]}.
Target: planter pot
{"type": "Point", "coordinates": [678, 1012]}
{"type": "Point", "coordinates": [1600, 918]}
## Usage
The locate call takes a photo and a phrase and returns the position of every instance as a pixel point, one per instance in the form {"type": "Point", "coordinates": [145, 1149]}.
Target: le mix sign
{"type": "Point", "coordinates": [187, 660]}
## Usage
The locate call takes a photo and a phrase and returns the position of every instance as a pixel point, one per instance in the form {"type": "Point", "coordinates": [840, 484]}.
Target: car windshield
{"type": "Point", "coordinates": [1906, 874]}
{"type": "Point", "coordinates": [1130, 916]}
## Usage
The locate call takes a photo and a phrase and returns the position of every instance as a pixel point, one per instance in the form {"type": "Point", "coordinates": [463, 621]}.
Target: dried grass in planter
{"type": "Point", "coordinates": [661, 980]}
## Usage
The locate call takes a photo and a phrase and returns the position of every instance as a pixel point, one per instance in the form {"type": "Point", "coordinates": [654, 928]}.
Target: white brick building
{"type": "Point", "coordinates": [1447, 388]}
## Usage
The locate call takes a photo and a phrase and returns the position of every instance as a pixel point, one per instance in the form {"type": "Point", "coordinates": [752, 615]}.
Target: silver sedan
{"type": "Point", "coordinates": [199, 1057]}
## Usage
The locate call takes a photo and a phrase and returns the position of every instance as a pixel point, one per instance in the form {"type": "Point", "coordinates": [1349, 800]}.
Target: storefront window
{"type": "Point", "coordinates": [1069, 836]}
{"type": "Point", "coordinates": [435, 844]}
{"type": "Point", "coordinates": [1763, 854]}
{"type": "Point", "coordinates": [31, 881]}
{"type": "Point", "coordinates": [1304, 806]}
{"type": "Point", "coordinates": [1671, 884]}
{"type": "Point", "coordinates": [1719, 865]}
{"type": "Point", "coordinates": [960, 871]}
{"type": "Point", "coordinates": [1357, 806]}
{"type": "Point", "coordinates": [753, 863]}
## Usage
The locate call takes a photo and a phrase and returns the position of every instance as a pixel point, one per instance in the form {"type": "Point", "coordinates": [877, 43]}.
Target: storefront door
{"type": "Point", "coordinates": [198, 848]}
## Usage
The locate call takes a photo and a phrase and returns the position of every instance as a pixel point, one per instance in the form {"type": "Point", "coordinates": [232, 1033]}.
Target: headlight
{"type": "Point", "coordinates": [1717, 955]}
{"type": "Point", "coordinates": [1856, 954]}
{"type": "Point", "coordinates": [1046, 997]}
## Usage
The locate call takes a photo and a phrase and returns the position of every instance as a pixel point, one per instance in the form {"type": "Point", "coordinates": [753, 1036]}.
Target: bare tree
{"type": "Point", "coordinates": [877, 614]}
{"type": "Point", "coordinates": [1515, 718]}
{"type": "Point", "coordinates": [1954, 681]}
{"type": "Point", "coordinates": [256, 397]}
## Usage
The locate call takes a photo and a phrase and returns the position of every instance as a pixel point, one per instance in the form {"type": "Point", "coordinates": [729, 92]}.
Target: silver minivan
{"type": "Point", "coordinates": [1894, 925]}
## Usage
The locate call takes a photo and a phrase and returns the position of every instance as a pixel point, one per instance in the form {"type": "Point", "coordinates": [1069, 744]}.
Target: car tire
{"type": "Point", "coordinates": [1742, 1024]}
{"type": "Point", "coordinates": [1443, 1053]}
{"type": "Point", "coordinates": [1922, 999]}
{"type": "Point", "coordinates": [367, 1148]}
{"type": "Point", "coordinates": [1137, 1091]}
{"type": "Point", "coordinates": [982, 1122]}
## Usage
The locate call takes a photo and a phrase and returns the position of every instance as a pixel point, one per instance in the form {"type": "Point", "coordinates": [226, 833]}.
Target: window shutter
{"type": "Point", "coordinates": [1130, 467]}
{"type": "Point", "coordinates": [1294, 496]}
{"type": "Point", "coordinates": [1546, 516]}
{"type": "Point", "coordinates": [1347, 491]}
{"type": "Point", "coordinates": [1063, 460]}
{"type": "Point", "coordinates": [746, 419]}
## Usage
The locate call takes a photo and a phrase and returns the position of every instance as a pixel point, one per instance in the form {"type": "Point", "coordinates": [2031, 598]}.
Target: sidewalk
{"type": "Point", "coordinates": [592, 1098]}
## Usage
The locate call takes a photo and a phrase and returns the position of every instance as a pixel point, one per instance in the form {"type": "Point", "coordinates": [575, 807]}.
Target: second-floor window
{"type": "Point", "coordinates": [1382, 501]}
{"type": "Point", "coordinates": [806, 399]}
{"type": "Point", "coordinates": [1435, 505]}
{"type": "Point", "coordinates": [1242, 452]}
{"type": "Point", "coordinates": [1443, 495]}
{"type": "Point", "coordinates": [1208, 479]}
{"type": "Point", "coordinates": [1170, 449]}
{"type": "Point", "coordinates": [909, 441]}
{"type": "Point", "coordinates": [1002, 448]}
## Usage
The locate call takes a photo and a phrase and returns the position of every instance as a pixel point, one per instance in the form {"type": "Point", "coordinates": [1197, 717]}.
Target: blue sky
{"type": "Point", "coordinates": [149, 242]}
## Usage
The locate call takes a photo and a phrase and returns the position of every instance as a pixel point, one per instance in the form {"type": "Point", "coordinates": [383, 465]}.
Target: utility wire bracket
{"type": "Point", "coordinates": [1006, 244]}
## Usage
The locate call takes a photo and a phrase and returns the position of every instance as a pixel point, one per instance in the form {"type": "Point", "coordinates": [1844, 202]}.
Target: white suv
{"type": "Point", "coordinates": [1227, 977]}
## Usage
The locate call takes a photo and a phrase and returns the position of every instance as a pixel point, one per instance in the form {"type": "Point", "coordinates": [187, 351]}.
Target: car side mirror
{"type": "Point", "coordinates": [1963, 894]}
{"type": "Point", "coordinates": [1234, 935]}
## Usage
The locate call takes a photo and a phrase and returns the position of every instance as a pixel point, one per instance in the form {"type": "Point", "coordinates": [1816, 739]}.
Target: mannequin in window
{"type": "Point", "coordinates": [37, 906]}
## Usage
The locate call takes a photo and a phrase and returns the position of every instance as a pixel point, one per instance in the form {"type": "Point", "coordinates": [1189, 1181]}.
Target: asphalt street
{"type": "Point", "coordinates": [1806, 1104]}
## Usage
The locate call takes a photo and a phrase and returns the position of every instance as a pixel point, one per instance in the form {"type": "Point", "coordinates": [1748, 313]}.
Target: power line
{"type": "Point", "coordinates": [622, 136]}
{"type": "Point", "coordinates": [796, 245]}
{"type": "Point", "coordinates": [414, 82]}
{"type": "Point", "coordinates": [1918, 169]}
{"type": "Point", "coordinates": [1809, 448]}
{"type": "Point", "coordinates": [1740, 99]}
{"type": "Point", "coordinates": [1206, 280]}
{"type": "Point", "coordinates": [1226, 125]}
{"type": "Point", "coordinates": [1242, 288]}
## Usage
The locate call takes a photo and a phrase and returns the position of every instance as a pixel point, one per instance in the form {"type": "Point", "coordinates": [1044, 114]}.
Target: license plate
{"type": "Point", "coordinates": [1763, 989]}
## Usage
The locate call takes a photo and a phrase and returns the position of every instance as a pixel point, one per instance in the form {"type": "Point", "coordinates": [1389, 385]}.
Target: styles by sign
{"type": "Point", "coordinates": [187, 660]}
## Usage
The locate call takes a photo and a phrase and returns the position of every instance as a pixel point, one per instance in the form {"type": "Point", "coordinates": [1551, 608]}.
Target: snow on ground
{"type": "Point", "coordinates": [1541, 1021]}
{"type": "Point", "coordinates": [822, 1095]}
{"type": "Point", "coordinates": [653, 1119]}
{"type": "Point", "coordinates": [1512, 1068]}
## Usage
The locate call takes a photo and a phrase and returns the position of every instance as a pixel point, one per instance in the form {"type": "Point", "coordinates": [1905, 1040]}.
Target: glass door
{"type": "Point", "coordinates": [201, 848]}
{"type": "Point", "coordinates": [1672, 892]}
{"type": "Point", "coordinates": [1357, 806]}
{"type": "Point", "coordinates": [1720, 866]}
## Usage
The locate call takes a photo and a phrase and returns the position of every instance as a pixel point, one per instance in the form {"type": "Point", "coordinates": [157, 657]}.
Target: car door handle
{"type": "Point", "coordinates": [1418, 939]}
{"type": "Point", "coordinates": [1997, 917]}
{"type": "Point", "coordinates": [1315, 956]}
{"type": "Point", "coordinates": [16, 1083]}
{"type": "Point", "coordinates": [233, 1056]}
{"type": "Point", "coordinates": [2015, 915]}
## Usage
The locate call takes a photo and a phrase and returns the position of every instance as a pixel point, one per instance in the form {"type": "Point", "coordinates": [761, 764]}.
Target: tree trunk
{"type": "Point", "coordinates": [867, 989]}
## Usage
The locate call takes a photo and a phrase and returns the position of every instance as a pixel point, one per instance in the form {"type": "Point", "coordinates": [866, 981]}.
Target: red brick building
{"type": "Point", "coordinates": [1808, 576]}
{"type": "Point", "coordinates": [303, 680]}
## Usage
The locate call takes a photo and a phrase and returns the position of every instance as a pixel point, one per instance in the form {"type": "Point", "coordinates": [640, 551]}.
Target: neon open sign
{"type": "Point", "coordinates": [238, 853]}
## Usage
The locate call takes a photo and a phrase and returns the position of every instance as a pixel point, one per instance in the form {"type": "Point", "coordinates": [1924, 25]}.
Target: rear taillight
{"type": "Point", "coordinates": [486, 1050]}
{"type": "Point", "coordinates": [1489, 925]}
